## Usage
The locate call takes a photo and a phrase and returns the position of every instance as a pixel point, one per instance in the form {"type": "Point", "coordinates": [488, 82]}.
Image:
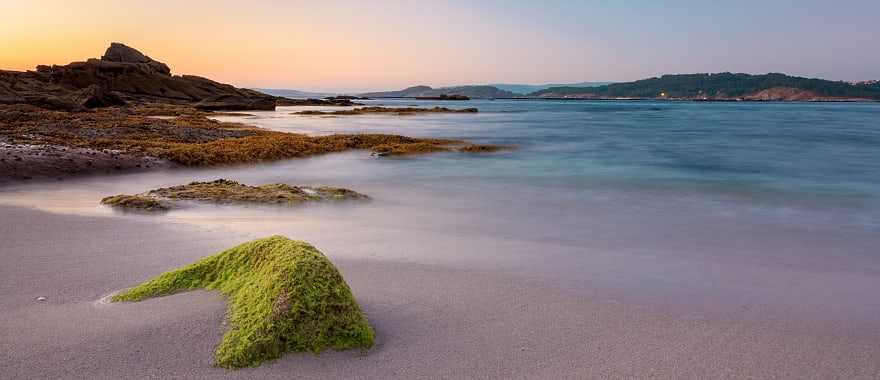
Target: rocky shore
{"type": "Point", "coordinates": [125, 111]}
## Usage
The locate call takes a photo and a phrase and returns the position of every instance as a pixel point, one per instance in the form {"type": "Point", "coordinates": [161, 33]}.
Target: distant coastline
{"type": "Point", "coordinates": [693, 87]}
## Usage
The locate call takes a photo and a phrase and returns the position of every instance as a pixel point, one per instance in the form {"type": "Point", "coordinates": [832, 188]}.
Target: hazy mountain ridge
{"type": "Point", "coordinates": [525, 89]}
{"type": "Point", "coordinates": [718, 86]}
{"type": "Point", "coordinates": [294, 93]}
{"type": "Point", "coordinates": [484, 92]}
{"type": "Point", "coordinates": [723, 86]}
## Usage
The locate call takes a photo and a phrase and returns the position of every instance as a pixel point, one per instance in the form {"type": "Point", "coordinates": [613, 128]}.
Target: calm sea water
{"type": "Point", "coordinates": [750, 203]}
{"type": "Point", "coordinates": [773, 154]}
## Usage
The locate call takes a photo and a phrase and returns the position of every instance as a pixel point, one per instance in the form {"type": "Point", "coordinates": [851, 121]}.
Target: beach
{"type": "Point", "coordinates": [432, 321]}
{"type": "Point", "coordinates": [524, 263]}
{"type": "Point", "coordinates": [455, 190]}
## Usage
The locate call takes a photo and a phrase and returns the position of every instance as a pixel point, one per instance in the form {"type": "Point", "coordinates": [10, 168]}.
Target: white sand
{"type": "Point", "coordinates": [431, 321]}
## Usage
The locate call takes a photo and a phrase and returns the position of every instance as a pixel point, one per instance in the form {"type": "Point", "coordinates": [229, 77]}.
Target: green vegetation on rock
{"type": "Point", "coordinates": [135, 202]}
{"type": "Point", "coordinates": [284, 296]}
{"type": "Point", "coordinates": [227, 191]}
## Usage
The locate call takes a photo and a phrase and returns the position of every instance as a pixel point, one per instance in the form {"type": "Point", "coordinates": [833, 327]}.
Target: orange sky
{"type": "Point", "coordinates": [268, 44]}
{"type": "Point", "coordinates": [352, 45]}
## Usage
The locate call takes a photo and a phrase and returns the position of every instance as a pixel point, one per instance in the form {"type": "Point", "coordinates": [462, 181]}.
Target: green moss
{"type": "Point", "coordinates": [226, 191]}
{"type": "Point", "coordinates": [482, 148]}
{"type": "Point", "coordinates": [406, 149]}
{"type": "Point", "coordinates": [284, 296]}
{"type": "Point", "coordinates": [135, 202]}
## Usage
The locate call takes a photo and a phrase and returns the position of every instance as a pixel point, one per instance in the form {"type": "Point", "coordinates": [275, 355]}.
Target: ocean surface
{"type": "Point", "coordinates": [751, 205]}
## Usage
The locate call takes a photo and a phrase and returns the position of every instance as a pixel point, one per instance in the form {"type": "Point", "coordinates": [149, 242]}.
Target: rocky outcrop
{"type": "Point", "coordinates": [118, 52]}
{"type": "Point", "coordinates": [224, 191]}
{"type": "Point", "coordinates": [123, 74]}
{"type": "Point", "coordinates": [284, 296]}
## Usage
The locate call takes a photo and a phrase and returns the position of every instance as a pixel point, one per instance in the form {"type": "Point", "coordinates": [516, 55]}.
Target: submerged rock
{"type": "Point", "coordinates": [136, 202]}
{"type": "Point", "coordinates": [338, 101]}
{"type": "Point", "coordinates": [227, 191]}
{"type": "Point", "coordinates": [284, 296]}
{"type": "Point", "coordinates": [389, 110]}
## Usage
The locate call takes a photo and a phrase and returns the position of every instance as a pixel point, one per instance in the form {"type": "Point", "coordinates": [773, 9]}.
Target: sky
{"type": "Point", "coordinates": [379, 45]}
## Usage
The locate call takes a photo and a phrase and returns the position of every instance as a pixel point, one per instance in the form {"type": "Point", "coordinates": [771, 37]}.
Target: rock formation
{"type": "Point", "coordinates": [122, 75]}
{"type": "Point", "coordinates": [284, 296]}
{"type": "Point", "coordinates": [224, 191]}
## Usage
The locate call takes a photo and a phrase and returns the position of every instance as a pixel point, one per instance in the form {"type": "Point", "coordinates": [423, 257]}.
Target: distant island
{"type": "Point", "coordinates": [444, 97]}
{"type": "Point", "coordinates": [525, 89]}
{"type": "Point", "coordinates": [723, 86]}
{"type": "Point", "coordinates": [708, 87]}
{"type": "Point", "coordinates": [478, 92]}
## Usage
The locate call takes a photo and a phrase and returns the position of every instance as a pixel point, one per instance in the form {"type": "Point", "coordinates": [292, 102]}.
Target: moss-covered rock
{"type": "Point", "coordinates": [135, 202]}
{"type": "Point", "coordinates": [422, 148]}
{"type": "Point", "coordinates": [284, 296]}
{"type": "Point", "coordinates": [473, 148]}
{"type": "Point", "coordinates": [227, 191]}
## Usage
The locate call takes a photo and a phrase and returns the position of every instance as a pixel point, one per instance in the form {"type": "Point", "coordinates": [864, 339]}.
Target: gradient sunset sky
{"type": "Point", "coordinates": [377, 45]}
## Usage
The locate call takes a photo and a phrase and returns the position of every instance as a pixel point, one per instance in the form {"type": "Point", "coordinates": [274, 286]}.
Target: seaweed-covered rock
{"type": "Point", "coordinates": [337, 101]}
{"type": "Point", "coordinates": [284, 296]}
{"type": "Point", "coordinates": [228, 191]}
{"type": "Point", "coordinates": [399, 111]}
{"type": "Point", "coordinates": [135, 202]}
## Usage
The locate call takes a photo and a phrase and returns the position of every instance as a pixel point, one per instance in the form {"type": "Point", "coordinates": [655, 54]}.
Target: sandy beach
{"type": "Point", "coordinates": [446, 190]}
{"type": "Point", "coordinates": [431, 321]}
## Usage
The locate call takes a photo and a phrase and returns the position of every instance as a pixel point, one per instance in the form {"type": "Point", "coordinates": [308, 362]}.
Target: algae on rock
{"type": "Point", "coordinates": [284, 296]}
{"type": "Point", "coordinates": [228, 191]}
{"type": "Point", "coordinates": [398, 111]}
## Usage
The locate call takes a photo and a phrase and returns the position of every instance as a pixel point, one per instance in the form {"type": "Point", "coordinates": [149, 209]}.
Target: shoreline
{"type": "Point", "coordinates": [431, 320]}
{"type": "Point", "coordinates": [57, 144]}
{"type": "Point", "coordinates": [655, 99]}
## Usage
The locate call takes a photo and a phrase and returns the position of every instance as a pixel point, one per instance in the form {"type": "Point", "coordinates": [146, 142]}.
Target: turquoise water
{"type": "Point", "coordinates": [738, 203]}
{"type": "Point", "coordinates": [769, 152]}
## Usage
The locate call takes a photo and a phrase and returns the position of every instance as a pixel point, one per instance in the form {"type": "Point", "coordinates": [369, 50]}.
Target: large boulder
{"type": "Point", "coordinates": [118, 52]}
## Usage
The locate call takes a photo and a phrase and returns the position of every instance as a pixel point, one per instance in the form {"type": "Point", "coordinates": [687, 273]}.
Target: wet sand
{"type": "Point", "coordinates": [431, 321]}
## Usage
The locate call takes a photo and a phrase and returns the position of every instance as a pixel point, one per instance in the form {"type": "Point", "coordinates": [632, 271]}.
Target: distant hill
{"type": "Point", "coordinates": [478, 92]}
{"type": "Point", "coordinates": [525, 89]}
{"type": "Point", "coordinates": [723, 86]}
{"type": "Point", "coordinates": [293, 93]}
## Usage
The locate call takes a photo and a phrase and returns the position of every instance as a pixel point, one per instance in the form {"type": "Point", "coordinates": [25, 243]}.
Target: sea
{"type": "Point", "coordinates": [748, 205]}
